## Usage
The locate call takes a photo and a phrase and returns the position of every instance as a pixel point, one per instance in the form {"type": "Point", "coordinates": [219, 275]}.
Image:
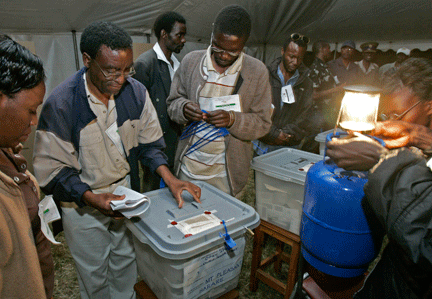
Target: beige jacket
{"type": "Point", "coordinates": [250, 124]}
{"type": "Point", "coordinates": [20, 273]}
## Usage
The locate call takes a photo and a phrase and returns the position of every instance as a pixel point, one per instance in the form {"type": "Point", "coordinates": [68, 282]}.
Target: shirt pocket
{"type": "Point", "coordinates": [91, 151]}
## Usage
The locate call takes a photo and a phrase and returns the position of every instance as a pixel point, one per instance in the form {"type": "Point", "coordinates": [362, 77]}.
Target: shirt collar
{"type": "Point", "coordinates": [291, 81]}
{"type": "Point", "coordinates": [234, 68]}
{"type": "Point", "coordinates": [161, 56]}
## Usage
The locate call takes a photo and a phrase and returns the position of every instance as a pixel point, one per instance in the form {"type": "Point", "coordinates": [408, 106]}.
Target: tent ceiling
{"type": "Point", "coordinates": [273, 20]}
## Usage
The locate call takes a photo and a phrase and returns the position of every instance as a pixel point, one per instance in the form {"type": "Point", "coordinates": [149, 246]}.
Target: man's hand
{"type": "Point", "coordinates": [218, 118]}
{"type": "Point", "coordinates": [193, 112]}
{"type": "Point", "coordinates": [102, 201]}
{"type": "Point", "coordinates": [396, 133]}
{"type": "Point", "coordinates": [357, 152]}
{"type": "Point", "coordinates": [282, 139]}
{"type": "Point", "coordinates": [177, 186]}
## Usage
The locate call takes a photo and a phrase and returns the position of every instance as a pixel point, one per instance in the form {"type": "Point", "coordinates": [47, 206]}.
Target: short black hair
{"type": "Point", "coordinates": [415, 74]}
{"type": "Point", "coordinates": [19, 68]}
{"type": "Point", "coordinates": [317, 46]}
{"type": "Point", "coordinates": [104, 33]}
{"type": "Point", "coordinates": [233, 20]}
{"type": "Point", "coordinates": [166, 22]}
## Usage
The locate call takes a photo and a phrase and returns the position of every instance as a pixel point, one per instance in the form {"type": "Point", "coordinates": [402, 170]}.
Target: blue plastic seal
{"type": "Point", "coordinates": [229, 242]}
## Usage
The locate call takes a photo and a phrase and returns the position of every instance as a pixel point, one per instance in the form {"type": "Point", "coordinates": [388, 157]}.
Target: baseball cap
{"type": "Point", "coordinates": [349, 43]}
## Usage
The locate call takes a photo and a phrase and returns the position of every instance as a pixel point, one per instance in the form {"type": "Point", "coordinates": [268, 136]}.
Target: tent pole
{"type": "Point", "coordinates": [75, 49]}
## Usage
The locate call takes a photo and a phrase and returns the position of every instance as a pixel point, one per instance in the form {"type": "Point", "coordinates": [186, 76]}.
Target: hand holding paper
{"type": "Point", "coordinates": [134, 203]}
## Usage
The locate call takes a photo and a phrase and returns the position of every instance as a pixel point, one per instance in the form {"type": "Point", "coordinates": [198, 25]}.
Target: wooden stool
{"type": "Point", "coordinates": [257, 268]}
{"type": "Point", "coordinates": [144, 292]}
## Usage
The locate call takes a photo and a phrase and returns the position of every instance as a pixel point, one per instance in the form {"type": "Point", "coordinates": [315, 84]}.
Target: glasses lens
{"type": "Point", "coordinates": [295, 36]}
{"type": "Point", "coordinates": [306, 39]}
{"type": "Point", "coordinates": [384, 117]}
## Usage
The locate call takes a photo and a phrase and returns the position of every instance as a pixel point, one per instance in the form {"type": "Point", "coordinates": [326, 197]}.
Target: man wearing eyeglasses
{"type": "Point", "coordinates": [93, 130]}
{"type": "Point", "coordinates": [223, 87]}
{"type": "Point", "coordinates": [155, 69]}
{"type": "Point", "coordinates": [292, 96]}
{"type": "Point", "coordinates": [398, 192]}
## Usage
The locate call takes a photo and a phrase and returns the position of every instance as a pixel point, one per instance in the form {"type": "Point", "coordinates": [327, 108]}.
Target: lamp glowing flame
{"type": "Point", "coordinates": [359, 108]}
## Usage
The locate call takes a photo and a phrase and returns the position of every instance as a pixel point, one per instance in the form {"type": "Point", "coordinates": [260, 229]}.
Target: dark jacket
{"type": "Point", "coordinates": [292, 118]}
{"type": "Point", "coordinates": [155, 76]}
{"type": "Point", "coordinates": [399, 191]}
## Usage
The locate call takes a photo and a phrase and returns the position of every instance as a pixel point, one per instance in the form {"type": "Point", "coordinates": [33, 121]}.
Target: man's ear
{"type": "Point", "coordinates": [282, 51]}
{"type": "Point", "coordinates": [86, 59]}
{"type": "Point", "coordinates": [163, 34]}
{"type": "Point", "coordinates": [429, 108]}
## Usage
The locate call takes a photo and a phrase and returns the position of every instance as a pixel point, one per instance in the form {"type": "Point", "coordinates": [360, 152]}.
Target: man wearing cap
{"type": "Point", "coordinates": [344, 69]}
{"type": "Point", "coordinates": [388, 69]}
{"type": "Point", "coordinates": [369, 70]}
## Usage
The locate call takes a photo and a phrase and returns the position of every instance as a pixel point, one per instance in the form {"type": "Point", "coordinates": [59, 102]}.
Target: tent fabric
{"type": "Point", "coordinates": [390, 22]}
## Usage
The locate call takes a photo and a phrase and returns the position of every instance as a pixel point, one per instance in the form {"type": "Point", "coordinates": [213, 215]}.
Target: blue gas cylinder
{"type": "Point", "coordinates": [335, 235]}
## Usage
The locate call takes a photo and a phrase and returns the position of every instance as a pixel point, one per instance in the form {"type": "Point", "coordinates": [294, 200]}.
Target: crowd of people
{"type": "Point", "coordinates": [197, 120]}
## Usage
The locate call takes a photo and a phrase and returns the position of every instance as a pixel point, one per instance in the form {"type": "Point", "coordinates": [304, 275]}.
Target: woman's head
{"type": "Point", "coordinates": [22, 89]}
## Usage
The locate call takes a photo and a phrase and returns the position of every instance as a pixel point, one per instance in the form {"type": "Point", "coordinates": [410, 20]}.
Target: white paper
{"type": "Point", "coordinates": [336, 80]}
{"type": "Point", "coordinates": [197, 224]}
{"type": "Point", "coordinates": [134, 204]}
{"type": "Point", "coordinates": [287, 94]}
{"type": "Point", "coordinates": [48, 213]}
{"type": "Point", "coordinates": [113, 134]}
{"type": "Point", "coordinates": [227, 103]}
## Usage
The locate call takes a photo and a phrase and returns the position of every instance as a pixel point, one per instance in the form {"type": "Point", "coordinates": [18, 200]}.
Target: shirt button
{"type": "Point", "coordinates": [117, 160]}
{"type": "Point", "coordinates": [24, 175]}
{"type": "Point", "coordinates": [17, 155]}
{"type": "Point", "coordinates": [16, 179]}
{"type": "Point", "coordinates": [104, 111]}
{"type": "Point", "coordinates": [23, 166]}
{"type": "Point", "coordinates": [157, 100]}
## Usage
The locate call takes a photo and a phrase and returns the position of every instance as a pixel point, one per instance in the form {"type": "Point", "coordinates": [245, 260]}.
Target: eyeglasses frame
{"type": "Point", "coordinates": [115, 75]}
{"type": "Point", "coordinates": [394, 116]}
{"type": "Point", "coordinates": [218, 50]}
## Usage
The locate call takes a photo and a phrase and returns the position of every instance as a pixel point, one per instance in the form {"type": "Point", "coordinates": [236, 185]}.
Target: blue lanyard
{"type": "Point", "coordinates": [210, 136]}
{"type": "Point", "coordinates": [198, 126]}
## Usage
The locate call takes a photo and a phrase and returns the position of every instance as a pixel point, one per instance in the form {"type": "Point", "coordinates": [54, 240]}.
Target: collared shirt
{"type": "Point", "coordinates": [291, 81]}
{"type": "Point", "coordinates": [14, 165]}
{"type": "Point", "coordinates": [111, 164]}
{"type": "Point", "coordinates": [321, 76]}
{"type": "Point", "coordinates": [209, 161]}
{"type": "Point", "coordinates": [161, 56]}
{"type": "Point", "coordinates": [345, 74]}
{"type": "Point", "coordinates": [372, 67]}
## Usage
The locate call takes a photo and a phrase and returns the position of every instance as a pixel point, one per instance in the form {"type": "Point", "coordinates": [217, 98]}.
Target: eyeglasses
{"type": "Point", "coordinates": [111, 76]}
{"type": "Point", "coordinates": [296, 36]}
{"type": "Point", "coordinates": [395, 116]}
{"type": "Point", "coordinates": [219, 50]}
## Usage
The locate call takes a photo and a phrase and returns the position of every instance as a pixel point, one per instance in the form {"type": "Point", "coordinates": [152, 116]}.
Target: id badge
{"type": "Point", "coordinates": [287, 94]}
{"type": "Point", "coordinates": [227, 103]}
